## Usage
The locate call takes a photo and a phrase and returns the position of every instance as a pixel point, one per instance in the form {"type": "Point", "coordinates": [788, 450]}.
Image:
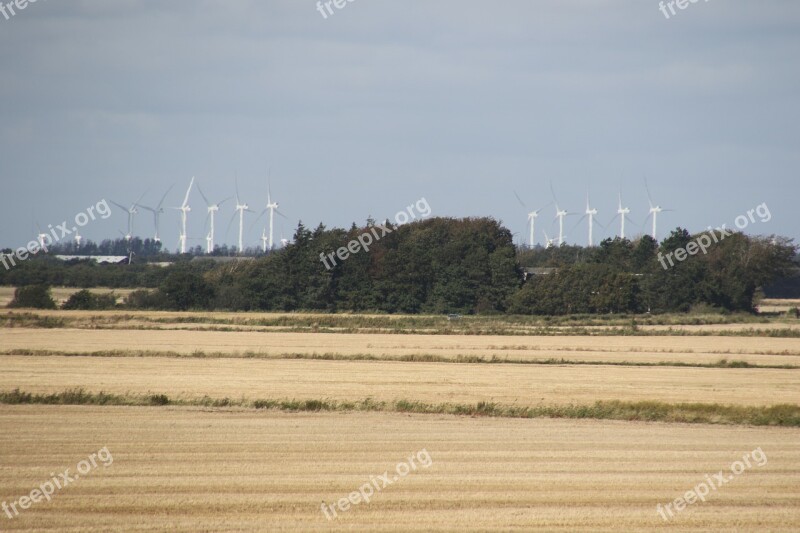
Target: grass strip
{"type": "Point", "coordinates": [412, 358]}
{"type": "Point", "coordinates": [782, 415]}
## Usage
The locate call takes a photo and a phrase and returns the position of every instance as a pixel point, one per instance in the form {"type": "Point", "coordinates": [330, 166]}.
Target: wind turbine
{"type": "Point", "coordinates": [212, 210]}
{"type": "Point", "coordinates": [264, 239]}
{"type": "Point", "coordinates": [548, 241]}
{"type": "Point", "coordinates": [240, 208]}
{"type": "Point", "coordinates": [532, 216]}
{"type": "Point", "coordinates": [560, 214]}
{"type": "Point", "coordinates": [132, 212]}
{"type": "Point", "coordinates": [272, 207]}
{"type": "Point", "coordinates": [40, 237]}
{"type": "Point", "coordinates": [654, 210]}
{"type": "Point", "coordinates": [184, 209]}
{"type": "Point", "coordinates": [78, 238]}
{"type": "Point", "coordinates": [590, 213]}
{"type": "Point", "coordinates": [157, 212]}
{"type": "Point", "coordinates": [622, 213]}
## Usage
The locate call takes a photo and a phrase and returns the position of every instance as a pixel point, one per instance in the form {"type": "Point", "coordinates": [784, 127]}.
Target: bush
{"type": "Point", "coordinates": [33, 296]}
{"type": "Point", "coordinates": [87, 301]}
{"type": "Point", "coordinates": [145, 299]}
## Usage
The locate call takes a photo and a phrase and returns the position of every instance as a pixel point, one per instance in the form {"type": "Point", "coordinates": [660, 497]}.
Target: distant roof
{"type": "Point", "coordinates": [95, 258]}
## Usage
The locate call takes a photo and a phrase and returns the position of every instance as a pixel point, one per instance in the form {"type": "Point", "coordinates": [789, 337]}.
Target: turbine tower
{"type": "Point", "coordinates": [532, 216]}
{"type": "Point", "coordinates": [654, 211]}
{"type": "Point", "coordinates": [240, 208]}
{"type": "Point", "coordinates": [590, 213]}
{"type": "Point", "coordinates": [622, 213]}
{"type": "Point", "coordinates": [532, 219]}
{"type": "Point", "coordinates": [213, 209]}
{"type": "Point", "coordinates": [184, 209]}
{"type": "Point", "coordinates": [264, 240]}
{"type": "Point", "coordinates": [560, 214]}
{"type": "Point", "coordinates": [157, 212]}
{"type": "Point", "coordinates": [272, 207]}
{"type": "Point", "coordinates": [78, 238]}
{"type": "Point", "coordinates": [41, 237]}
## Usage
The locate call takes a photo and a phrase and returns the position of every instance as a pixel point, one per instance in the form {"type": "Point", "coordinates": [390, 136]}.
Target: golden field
{"type": "Point", "coordinates": [233, 470]}
{"type": "Point", "coordinates": [650, 349]}
{"type": "Point", "coordinates": [508, 384]}
{"type": "Point", "coordinates": [184, 468]}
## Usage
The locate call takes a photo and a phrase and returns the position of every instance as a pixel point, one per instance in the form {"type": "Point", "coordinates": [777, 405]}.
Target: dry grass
{"type": "Point", "coordinates": [620, 325]}
{"type": "Point", "coordinates": [201, 470]}
{"type": "Point", "coordinates": [520, 385]}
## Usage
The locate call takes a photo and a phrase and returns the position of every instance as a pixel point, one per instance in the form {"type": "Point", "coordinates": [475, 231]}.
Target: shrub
{"type": "Point", "coordinates": [144, 299]}
{"type": "Point", "coordinates": [33, 296]}
{"type": "Point", "coordinates": [87, 301]}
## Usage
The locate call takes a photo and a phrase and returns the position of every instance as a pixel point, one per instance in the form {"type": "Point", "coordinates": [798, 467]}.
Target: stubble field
{"type": "Point", "coordinates": [207, 460]}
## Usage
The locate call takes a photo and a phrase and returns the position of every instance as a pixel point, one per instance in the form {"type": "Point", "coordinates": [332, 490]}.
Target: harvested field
{"type": "Point", "coordinates": [705, 350]}
{"type": "Point", "coordinates": [526, 385]}
{"type": "Point", "coordinates": [232, 470]}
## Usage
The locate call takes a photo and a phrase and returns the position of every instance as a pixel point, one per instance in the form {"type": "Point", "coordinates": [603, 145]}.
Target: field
{"type": "Point", "coordinates": [246, 422]}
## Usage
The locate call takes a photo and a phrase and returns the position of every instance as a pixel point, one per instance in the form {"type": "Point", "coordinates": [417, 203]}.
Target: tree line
{"type": "Point", "coordinates": [444, 265]}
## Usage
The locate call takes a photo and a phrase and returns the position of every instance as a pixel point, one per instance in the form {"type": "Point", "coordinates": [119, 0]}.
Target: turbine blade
{"type": "Point", "coordinates": [186, 198]}
{"type": "Point", "coordinates": [164, 197]}
{"type": "Point", "coordinates": [647, 188]}
{"type": "Point", "coordinates": [139, 200]}
{"type": "Point", "coordinates": [520, 200]}
{"type": "Point", "coordinates": [228, 228]}
{"type": "Point", "coordinates": [203, 195]}
{"type": "Point", "coordinates": [236, 182]}
{"type": "Point", "coordinates": [256, 220]}
{"type": "Point", "coordinates": [119, 205]}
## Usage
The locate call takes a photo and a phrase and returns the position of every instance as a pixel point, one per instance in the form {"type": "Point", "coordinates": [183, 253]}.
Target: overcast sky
{"type": "Point", "coordinates": [385, 102]}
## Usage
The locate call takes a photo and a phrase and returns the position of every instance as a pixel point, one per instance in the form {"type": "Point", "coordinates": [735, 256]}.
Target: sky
{"type": "Point", "coordinates": [366, 110]}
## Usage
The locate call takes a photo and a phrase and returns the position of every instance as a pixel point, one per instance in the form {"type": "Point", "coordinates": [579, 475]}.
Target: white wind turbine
{"type": "Point", "coordinates": [532, 216]}
{"type": "Point", "coordinates": [622, 213]}
{"type": "Point", "coordinates": [157, 212]}
{"type": "Point", "coordinates": [78, 238]}
{"type": "Point", "coordinates": [548, 241]}
{"type": "Point", "coordinates": [132, 211]}
{"type": "Point", "coordinates": [590, 213]}
{"type": "Point", "coordinates": [272, 207]}
{"type": "Point", "coordinates": [240, 208]}
{"type": "Point", "coordinates": [654, 211]}
{"type": "Point", "coordinates": [184, 209]}
{"type": "Point", "coordinates": [213, 209]}
{"type": "Point", "coordinates": [264, 239]}
{"type": "Point", "coordinates": [40, 237]}
{"type": "Point", "coordinates": [560, 215]}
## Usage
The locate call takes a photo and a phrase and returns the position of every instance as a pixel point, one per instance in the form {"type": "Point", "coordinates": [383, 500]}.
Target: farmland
{"type": "Point", "coordinates": [225, 421]}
